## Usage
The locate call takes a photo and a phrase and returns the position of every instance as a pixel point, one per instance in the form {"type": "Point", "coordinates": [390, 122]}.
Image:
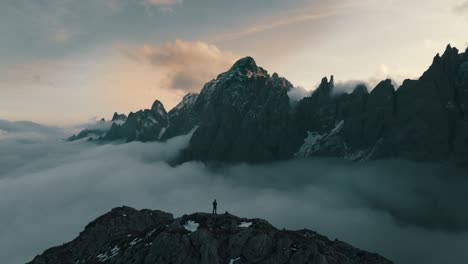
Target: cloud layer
{"type": "Point", "coordinates": [410, 213]}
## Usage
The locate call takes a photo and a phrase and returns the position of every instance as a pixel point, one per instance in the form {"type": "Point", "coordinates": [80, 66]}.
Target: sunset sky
{"type": "Point", "coordinates": [68, 61]}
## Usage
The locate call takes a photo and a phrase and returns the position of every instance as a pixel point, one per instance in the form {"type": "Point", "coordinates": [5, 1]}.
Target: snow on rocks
{"type": "Point", "coordinates": [315, 140]}
{"type": "Point", "coordinates": [245, 224]}
{"type": "Point", "coordinates": [232, 261]}
{"type": "Point", "coordinates": [191, 226]}
{"type": "Point", "coordinates": [103, 257]}
{"type": "Point", "coordinates": [135, 241]}
{"type": "Point", "coordinates": [161, 133]}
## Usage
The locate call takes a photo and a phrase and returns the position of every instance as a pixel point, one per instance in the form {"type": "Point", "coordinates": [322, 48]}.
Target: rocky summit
{"type": "Point", "coordinates": [246, 115]}
{"type": "Point", "coordinates": [127, 236]}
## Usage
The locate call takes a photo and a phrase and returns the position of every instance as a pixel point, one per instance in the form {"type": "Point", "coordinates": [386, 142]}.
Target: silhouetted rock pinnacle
{"type": "Point", "coordinates": [119, 117]}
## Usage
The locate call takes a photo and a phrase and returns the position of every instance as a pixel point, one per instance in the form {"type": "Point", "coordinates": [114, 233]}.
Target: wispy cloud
{"type": "Point", "coordinates": [271, 24]}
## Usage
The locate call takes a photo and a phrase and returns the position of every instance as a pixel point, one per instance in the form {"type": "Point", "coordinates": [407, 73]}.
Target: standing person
{"type": "Point", "coordinates": [215, 207]}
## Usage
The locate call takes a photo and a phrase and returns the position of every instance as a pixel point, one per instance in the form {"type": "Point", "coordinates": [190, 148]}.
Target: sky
{"type": "Point", "coordinates": [66, 62]}
{"type": "Point", "coordinates": [50, 189]}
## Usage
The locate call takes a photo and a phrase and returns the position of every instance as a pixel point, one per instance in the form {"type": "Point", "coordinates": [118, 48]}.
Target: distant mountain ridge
{"type": "Point", "coordinates": [128, 236]}
{"type": "Point", "coordinates": [245, 115]}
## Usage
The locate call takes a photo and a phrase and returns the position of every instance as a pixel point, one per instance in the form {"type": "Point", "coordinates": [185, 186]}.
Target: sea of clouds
{"type": "Point", "coordinates": [50, 189]}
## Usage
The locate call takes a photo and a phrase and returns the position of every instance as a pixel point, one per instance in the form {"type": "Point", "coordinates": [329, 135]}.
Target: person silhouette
{"type": "Point", "coordinates": [215, 207]}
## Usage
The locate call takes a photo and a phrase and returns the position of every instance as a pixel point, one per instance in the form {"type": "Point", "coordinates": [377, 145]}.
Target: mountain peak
{"type": "Point", "coordinates": [384, 87]}
{"type": "Point", "coordinates": [449, 51]}
{"type": "Point", "coordinates": [248, 66]}
{"type": "Point", "coordinates": [157, 105]}
{"type": "Point", "coordinates": [246, 63]}
{"type": "Point", "coordinates": [325, 88]}
{"type": "Point", "coordinates": [119, 117]}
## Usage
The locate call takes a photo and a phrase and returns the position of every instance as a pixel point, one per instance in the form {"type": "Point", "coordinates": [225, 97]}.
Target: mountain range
{"type": "Point", "coordinates": [126, 236]}
{"type": "Point", "coordinates": [246, 115]}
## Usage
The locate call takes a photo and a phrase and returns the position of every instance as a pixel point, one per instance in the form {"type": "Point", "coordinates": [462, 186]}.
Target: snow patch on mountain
{"type": "Point", "coordinates": [103, 257]}
{"type": "Point", "coordinates": [314, 141]}
{"type": "Point", "coordinates": [161, 133]}
{"type": "Point", "coordinates": [245, 224]}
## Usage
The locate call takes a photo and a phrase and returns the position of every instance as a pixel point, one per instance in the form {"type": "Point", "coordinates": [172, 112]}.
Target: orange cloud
{"type": "Point", "coordinates": [186, 65]}
{"type": "Point", "coordinates": [165, 72]}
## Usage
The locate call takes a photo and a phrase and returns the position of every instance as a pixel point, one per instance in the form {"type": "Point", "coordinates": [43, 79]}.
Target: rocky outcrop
{"type": "Point", "coordinates": [126, 235]}
{"type": "Point", "coordinates": [144, 125]}
{"type": "Point", "coordinates": [119, 117]}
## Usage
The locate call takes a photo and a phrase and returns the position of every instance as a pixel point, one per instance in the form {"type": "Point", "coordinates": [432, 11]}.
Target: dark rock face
{"type": "Point", "coordinates": [423, 120]}
{"type": "Point", "coordinates": [144, 125]}
{"type": "Point", "coordinates": [242, 116]}
{"type": "Point", "coordinates": [182, 118]}
{"type": "Point", "coordinates": [429, 110]}
{"type": "Point", "coordinates": [126, 235]}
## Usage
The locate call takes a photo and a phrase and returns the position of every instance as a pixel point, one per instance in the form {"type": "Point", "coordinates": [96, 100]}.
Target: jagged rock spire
{"type": "Point", "coordinates": [158, 106]}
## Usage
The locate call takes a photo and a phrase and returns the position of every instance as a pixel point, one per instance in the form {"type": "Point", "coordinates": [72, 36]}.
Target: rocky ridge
{"type": "Point", "coordinates": [145, 125]}
{"type": "Point", "coordinates": [245, 115]}
{"type": "Point", "coordinates": [126, 235]}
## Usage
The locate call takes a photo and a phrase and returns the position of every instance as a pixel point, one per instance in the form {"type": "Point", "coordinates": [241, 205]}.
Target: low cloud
{"type": "Point", "coordinates": [187, 65]}
{"type": "Point", "coordinates": [347, 86]}
{"type": "Point", "coordinates": [297, 93]}
{"type": "Point", "coordinates": [408, 212]}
